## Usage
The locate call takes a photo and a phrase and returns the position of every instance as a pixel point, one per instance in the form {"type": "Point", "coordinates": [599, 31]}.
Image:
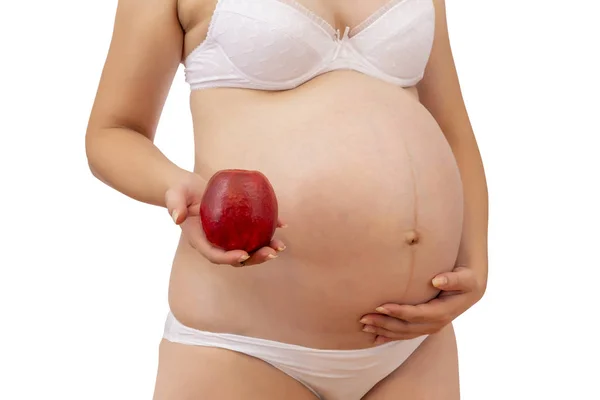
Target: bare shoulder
{"type": "Point", "coordinates": [144, 55]}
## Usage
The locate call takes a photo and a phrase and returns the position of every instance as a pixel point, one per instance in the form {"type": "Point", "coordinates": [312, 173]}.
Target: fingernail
{"type": "Point", "coordinates": [271, 256]}
{"type": "Point", "coordinates": [365, 321]}
{"type": "Point", "coordinates": [439, 281]}
{"type": "Point", "coordinates": [284, 226]}
{"type": "Point", "coordinates": [369, 328]}
{"type": "Point", "coordinates": [281, 248]}
{"type": "Point", "coordinates": [175, 215]}
{"type": "Point", "coordinates": [244, 257]}
{"type": "Point", "coordinates": [382, 310]}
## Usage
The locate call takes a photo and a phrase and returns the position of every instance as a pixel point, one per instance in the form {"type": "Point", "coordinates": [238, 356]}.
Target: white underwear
{"type": "Point", "coordinates": [329, 374]}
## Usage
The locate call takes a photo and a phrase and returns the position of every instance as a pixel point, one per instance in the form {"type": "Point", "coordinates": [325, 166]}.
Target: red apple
{"type": "Point", "coordinates": [239, 210]}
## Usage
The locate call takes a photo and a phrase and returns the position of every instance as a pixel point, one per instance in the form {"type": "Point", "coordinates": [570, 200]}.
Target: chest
{"type": "Point", "coordinates": [280, 44]}
{"type": "Point", "coordinates": [195, 15]}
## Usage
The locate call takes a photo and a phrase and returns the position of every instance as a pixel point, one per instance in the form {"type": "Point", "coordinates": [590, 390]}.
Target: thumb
{"type": "Point", "coordinates": [460, 279]}
{"type": "Point", "coordinates": [176, 201]}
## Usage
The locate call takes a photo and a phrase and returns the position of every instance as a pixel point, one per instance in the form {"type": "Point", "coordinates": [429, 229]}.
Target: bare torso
{"type": "Point", "coordinates": [365, 180]}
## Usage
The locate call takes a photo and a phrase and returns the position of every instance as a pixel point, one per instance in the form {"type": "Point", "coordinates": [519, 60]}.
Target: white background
{"type": "Point", "coordinates": [84, 270]}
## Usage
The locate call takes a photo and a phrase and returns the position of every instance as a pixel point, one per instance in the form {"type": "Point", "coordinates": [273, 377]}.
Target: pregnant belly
{"type": "Point", "coordinates": [373, 199]}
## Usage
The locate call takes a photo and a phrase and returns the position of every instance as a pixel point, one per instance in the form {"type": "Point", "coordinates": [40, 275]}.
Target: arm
{"type": "Point", "coordinates": [440, 93]}
{"type": "Point", "coordinates": [143, 58]}
{"type": "Point", "coordinates": [144, 55]}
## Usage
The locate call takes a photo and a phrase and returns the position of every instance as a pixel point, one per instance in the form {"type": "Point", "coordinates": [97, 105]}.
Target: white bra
{"type": "Point", "coordinates": [280, 44]}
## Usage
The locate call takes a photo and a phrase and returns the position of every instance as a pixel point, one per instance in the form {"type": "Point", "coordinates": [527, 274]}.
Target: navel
{"type": "Point", "coordinates": [411, 237]}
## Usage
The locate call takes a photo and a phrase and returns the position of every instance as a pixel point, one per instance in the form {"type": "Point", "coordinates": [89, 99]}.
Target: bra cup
{"type": "Point", "coordinates": [262, 52]}
{"type": "Point", "coordinates": [398, 49]}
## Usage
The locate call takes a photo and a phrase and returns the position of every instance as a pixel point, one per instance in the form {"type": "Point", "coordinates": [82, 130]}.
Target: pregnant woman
{"type": "Point", "coordinates": [353, 111]}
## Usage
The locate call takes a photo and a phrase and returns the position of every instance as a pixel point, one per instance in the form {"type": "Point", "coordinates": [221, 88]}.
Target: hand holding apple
{"type": "Point", "coordinates": [230, 220]}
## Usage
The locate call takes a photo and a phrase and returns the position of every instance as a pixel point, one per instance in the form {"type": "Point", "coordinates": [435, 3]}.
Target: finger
{"type": "Point", "coordinates": [194, 209]}
{"type": "Point", "coordinates": [382, 340]}
{"type": "Point", "coordinates": [461, 279]}
{"type": "Point", "coordinates": [398, 326]}
{"type": "Point", "coordinates": [196, 237]}
{"type": "Point", "coordinates": [445, 293]}
{"type": "Point", "coordinates": [281, 223]}
{"type": "Point", "coordinates": [261, 255]}
{"type": "Point", "coordinates": [176, 202]}
{"type": "Point", "coordinates": [277, 245]}
{"type": "Point", "coordinates": [438, 309]}
{"type": "Point", "coordinates": [390, 334]}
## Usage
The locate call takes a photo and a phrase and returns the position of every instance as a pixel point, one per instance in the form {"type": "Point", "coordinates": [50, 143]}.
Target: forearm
{"type": "Point", "coordinates": [130, 163]}
{"type": "Point", "coordinates": [473, 250]}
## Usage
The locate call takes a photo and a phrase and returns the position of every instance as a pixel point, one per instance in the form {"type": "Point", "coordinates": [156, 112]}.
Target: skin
{"type": "Point", "coordinates": [119, 144]}
{"type": "Point", "coordinates": [440, 93]}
